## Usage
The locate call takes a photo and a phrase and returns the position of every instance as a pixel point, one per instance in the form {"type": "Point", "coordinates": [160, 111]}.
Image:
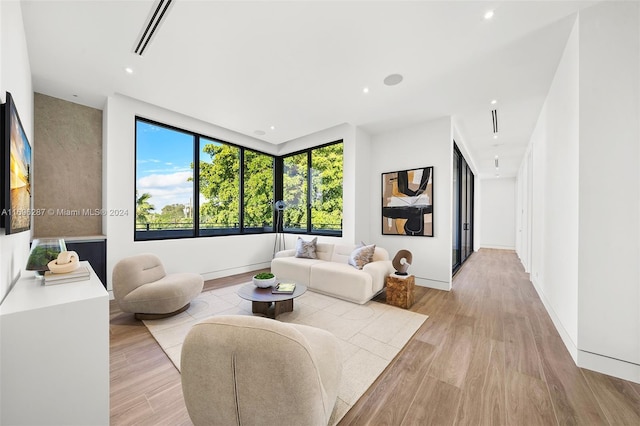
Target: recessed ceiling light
{"type": "Point", "coordinates": [488, 14]}
{"type": "Point", "coordinates": [259, 132]}
{"type": "Point", "coordinates": [273, 127]}
{"type": "Point", "coordinates": [493, 102]}
{"type": "Point", "coordinates": [365, 90]}
{"type": "Point", "coordinates": [495, 136]}
{"type": "Point", "coordinates": [393, 79]}
{"type": "Point", "coordinates": [129, 70]}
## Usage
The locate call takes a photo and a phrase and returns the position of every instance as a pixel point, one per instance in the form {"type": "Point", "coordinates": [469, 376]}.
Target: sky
{"type": "Point", "coordinates": [163, 164]}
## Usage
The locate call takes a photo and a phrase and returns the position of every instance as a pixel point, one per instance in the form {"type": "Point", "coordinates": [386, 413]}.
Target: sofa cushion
{"type": "Point", "coordinates": [341, 253]}
{"type": "Point", "coordinates": [342, 280]}
{"type": "Point", "coordinates": [306, 249]}
{"type": "Point", "coordinates": [324, 251]}
{"type": "Point", "coordinates": [294, 269]}
{"type": "Point", "coordinates": [361, 256]}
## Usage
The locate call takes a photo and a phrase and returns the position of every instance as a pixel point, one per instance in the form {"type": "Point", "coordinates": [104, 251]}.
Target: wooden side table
{"type": "Point", "coordinates": [401, 290]}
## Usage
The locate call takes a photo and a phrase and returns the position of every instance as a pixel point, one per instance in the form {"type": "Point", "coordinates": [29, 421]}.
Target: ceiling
{"type": "Point", "coordinates": [301, 66]}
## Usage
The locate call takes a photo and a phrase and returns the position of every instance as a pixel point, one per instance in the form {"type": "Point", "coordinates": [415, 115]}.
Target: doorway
{"type": "Point", "coordinates": [463, 183]}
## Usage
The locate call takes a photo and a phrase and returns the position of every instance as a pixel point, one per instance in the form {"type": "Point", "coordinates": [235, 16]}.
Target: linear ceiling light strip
{"type": "Point", "coordinates": [155, 20]}
{"type": "Point", "coordinates": [494, 117]}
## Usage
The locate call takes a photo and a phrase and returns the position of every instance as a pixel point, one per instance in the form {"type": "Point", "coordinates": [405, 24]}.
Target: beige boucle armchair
{"type": "Point", "coordinates": [141, 286]}
{"type": "Point", "coordinates": [243, 370]}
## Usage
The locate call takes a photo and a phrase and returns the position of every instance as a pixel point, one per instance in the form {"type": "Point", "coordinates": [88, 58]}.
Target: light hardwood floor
{"type": "Point", "coordinates": [488, 354]}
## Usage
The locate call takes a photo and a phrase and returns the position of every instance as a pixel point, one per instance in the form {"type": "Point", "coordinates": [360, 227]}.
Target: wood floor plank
{"type": "Point", "coordinates": [435, 403]}
{"type": "Point", "coordinates": [527, 400]}
{"type": "Point", "coordinates": [452, 360]}
{"type": "Point", "coordinates": [617, 398]}
{"type": "Point", "coordinates": [520, 346]}
{"type": "Point", "coordinates": [573, 401]}
{"type": "Point", "coordinates": [483, 396]}
{"type": "Point", "coordinates": [388, 399]}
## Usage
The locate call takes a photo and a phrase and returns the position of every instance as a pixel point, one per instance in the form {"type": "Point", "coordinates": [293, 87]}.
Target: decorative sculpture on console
{"type": "Point", "coordinates": [401, 262]}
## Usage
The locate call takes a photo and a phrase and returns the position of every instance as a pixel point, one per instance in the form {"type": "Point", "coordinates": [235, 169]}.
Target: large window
{"type": "Point", "coordinates": [191, 185]}
{"type": "Point", "coordinates": [164, 181]}
{"type": "Point", "coordinates": [312, 190]}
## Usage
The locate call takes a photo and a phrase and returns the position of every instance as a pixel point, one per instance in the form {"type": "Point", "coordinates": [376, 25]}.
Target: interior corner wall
{"type": "Point", "coordinates": [15, 77]}
{"type": "Point", "coordinates": [212, 257]}
{"type": "Point", "coordinates": [423, 145]}
{"type": "Point", "coordinates": [363, 183]}
{"type": "Point", "coordinates": [608, 267]}
{"type": "Point", "coordinates": [354, 145]}
{"type": "Point", "coordinates": [497, 213]}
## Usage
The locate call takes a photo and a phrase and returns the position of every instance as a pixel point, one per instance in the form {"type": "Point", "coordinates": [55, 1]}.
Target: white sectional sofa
{"type": "Point", "coordinates": [331, 274]}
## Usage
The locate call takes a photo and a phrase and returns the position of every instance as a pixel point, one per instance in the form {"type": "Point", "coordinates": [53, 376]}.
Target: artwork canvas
{"type": "Point", "coordinates": [407, 202]}
{"type": "Point", "coordinates": [17, 171]}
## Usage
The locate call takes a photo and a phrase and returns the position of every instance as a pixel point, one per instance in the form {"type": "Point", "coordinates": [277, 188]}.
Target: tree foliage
{"type": "Point", "coordinates": [143, 208]}
{"type": "Point", "coordinates": [220, 185]}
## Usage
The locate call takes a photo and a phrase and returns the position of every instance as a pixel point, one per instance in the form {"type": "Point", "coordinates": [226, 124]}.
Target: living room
{"type": "Point", "coordinates": [564, 223]}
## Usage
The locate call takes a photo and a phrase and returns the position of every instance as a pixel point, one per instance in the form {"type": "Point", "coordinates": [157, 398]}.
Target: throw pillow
{"type": "Point", "coordinates": [306, 249]}
{"type": "Point", "coordinates": [361, 256]}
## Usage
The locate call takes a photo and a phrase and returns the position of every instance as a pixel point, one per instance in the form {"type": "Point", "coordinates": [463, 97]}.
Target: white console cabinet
{"type": "Point", "coordinates": [54, 353]}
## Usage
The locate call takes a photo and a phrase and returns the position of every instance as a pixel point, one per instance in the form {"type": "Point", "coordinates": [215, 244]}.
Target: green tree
{"type": "Point", "coordinates": [294, 183]}
{"type": "Point", "coordinates": [143, 208]}
{"type": "Point", "coordinates": [220, 185]}
{"type": "Point", "coordinates": [173, 211]}
{"type": "Point", "coordinates": [258, 189]}
{"type": "Point", "coordinates": [326, 187]}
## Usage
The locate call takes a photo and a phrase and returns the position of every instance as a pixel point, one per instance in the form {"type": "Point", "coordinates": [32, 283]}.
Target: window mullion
{"type": "Point", "coordinates": [196, 186]}
{"type": "Point", "coordinates": [309, 184]}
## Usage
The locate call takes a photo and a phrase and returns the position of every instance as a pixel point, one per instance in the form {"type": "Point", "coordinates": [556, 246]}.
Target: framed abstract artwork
{"type": "Point", "coordinates": [407, 202]}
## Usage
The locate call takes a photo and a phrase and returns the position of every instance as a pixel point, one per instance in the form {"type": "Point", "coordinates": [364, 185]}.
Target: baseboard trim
{"type": "Point", "coordinates": [233, 271]}
{"type": "Point", "coordinates": [438, 285]}
{"type": "Point", "coordinates": [609, 366]}
{"type": "Point", "coordinates": [564, 334]}
{"type": "Point", "coordinates": [497, 247]}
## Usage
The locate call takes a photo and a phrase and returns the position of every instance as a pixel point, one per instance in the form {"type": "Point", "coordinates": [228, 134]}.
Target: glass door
{"type": "Point", "coordinates": [456, 252]}
{"type": "Point", "coordinates": [463, 185]}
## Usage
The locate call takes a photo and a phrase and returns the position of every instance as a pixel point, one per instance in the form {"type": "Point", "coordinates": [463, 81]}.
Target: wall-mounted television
{"type": "Point", "coordinates": [16, 171]}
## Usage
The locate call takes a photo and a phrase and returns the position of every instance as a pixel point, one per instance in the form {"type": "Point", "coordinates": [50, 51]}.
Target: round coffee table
{"type": "Point", "coordinates": [269, 304]}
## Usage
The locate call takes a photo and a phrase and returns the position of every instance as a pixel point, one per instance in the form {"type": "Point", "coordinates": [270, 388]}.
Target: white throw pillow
{"type": "Point", "coordinates": [306, 249]}
{"type": "Point", "coordinates": [361, 256]}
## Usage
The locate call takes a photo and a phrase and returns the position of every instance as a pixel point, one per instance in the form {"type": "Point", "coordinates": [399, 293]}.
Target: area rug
{"type": "Point", "coordinates": [370, 335]}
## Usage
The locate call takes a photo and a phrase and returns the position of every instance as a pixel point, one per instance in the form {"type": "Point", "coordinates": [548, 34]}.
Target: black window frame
{"type": "Point", "coordinates": [310, 230]}
{"type": "Point", "coordinates": [196, 232]}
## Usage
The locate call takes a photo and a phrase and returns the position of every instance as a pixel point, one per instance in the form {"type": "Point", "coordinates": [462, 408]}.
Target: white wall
{"type": "Point", "coordinates": [212, 257]}
{"type": "Point", "coordinates": [579, 192]}
{"type": "Point", "coordinates": [15, 77]}
{"type": "Point", "coordinates": [552, 172]}
{"type": "Point", "coordinates": [423, 145]}
{"type": "Point", "coordinates": [609, 252]}
{"type": "Point", "coordinates": [497, 213]}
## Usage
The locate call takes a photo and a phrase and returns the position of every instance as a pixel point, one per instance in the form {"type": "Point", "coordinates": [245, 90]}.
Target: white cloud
{"type": "Point", "coordinates": [164, 180]}
{"type": "Point", "coordinates": [167, 189]}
